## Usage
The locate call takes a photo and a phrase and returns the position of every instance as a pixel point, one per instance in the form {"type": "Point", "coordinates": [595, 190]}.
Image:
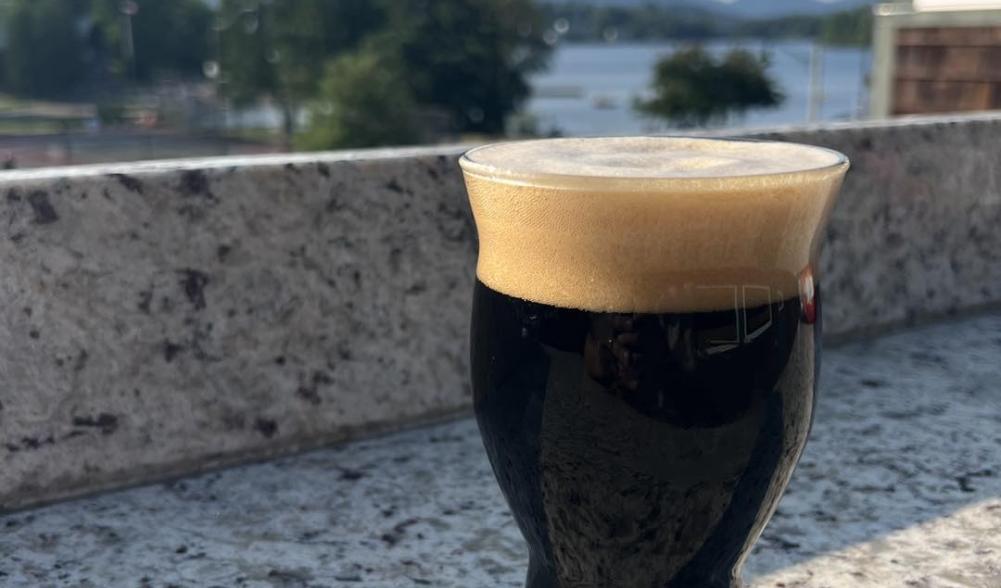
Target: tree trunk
{"type": "Point", "coordinates": [288, 123]}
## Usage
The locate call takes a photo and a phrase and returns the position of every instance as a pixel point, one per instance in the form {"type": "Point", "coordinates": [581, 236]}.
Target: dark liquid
{"type": "Point", "coordinates": [640, 450]}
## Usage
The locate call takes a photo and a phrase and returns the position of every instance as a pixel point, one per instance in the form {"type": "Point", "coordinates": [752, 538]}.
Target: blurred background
{"type": "Point", "coordinates": [85, 81]}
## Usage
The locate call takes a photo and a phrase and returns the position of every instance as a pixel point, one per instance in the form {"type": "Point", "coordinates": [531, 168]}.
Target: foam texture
{"type": "Point", "coordinates": [647, 158]}
{"type": "Point", "coordinates": [616, 231]}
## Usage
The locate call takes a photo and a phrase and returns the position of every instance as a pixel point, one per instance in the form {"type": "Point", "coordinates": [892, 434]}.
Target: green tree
{"type": "Point", "coordinates": [167, 36]}
{"type": "Point", "coordinates": [468, 57]}
{"type": "Point", "coordinates": [851, 27]}
{"type": "Point", "coordinates": [801, 26]}
{"type": "Point", "coordinates": [363, 102]}
{"type": "Point", "coordinates": [692, 88]}
{"type": "Point", "coordinates": [277, 48]}
{"type": "Point", "coordinates": [44, 55]}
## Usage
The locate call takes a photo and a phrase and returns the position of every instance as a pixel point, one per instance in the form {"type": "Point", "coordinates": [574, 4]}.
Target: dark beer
{"type": "Point", "coordinates": [640, 449]}
{"type": "Point", "coordinates": [644, 348]}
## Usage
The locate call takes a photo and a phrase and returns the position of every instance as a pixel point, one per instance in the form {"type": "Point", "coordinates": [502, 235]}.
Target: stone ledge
{"type": "Point", "coordinates": [168, 317]}
{"type": "Point", "coordinates": [898, 487]}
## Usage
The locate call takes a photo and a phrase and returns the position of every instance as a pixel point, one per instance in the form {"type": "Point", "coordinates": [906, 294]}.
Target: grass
{"type": "Point", "coordinates": [39, 117]}
{"type": "Point", "coordinates": [36, 126]}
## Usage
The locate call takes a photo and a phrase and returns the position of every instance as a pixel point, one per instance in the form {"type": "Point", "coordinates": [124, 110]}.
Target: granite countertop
{"type": "Point", "coordinates": [899, 486]}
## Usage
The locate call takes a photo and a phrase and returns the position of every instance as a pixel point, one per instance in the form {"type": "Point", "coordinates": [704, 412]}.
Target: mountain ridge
{"type": "Point", "coordinates": [747, 9]}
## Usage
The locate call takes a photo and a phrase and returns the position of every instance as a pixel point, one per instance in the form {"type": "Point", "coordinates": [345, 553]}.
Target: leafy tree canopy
{"type": "Point", "coordinates": [363, 102]}
{"type": "Point", "coordinates": [469, 57]}
{"type": "Point", "coordinates": [167, 36]}
{"type": "Point", "coordinates": [278, 48]}
{"type": "Point", "coordinates": [54, 45]}
{"type": "Point", "coordinates": [45, 51]}
{"type": "Point", "coordinates": [693, 88]}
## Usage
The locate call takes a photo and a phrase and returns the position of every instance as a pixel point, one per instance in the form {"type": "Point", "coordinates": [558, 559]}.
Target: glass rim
{"type": "Point", "coordinates": [708, 182]}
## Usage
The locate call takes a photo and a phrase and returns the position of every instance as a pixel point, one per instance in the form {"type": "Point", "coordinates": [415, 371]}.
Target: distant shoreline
{"type": "Point", "coordinates": [589, 87]}
{"type": "Point", "coordinates": [691, 23]}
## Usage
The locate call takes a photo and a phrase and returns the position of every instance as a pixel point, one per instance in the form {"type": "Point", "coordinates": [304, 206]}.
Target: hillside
{"type": "Point", "coordinates": [748, 9]}
{"type": "Point", "coordinates": [645, 21]}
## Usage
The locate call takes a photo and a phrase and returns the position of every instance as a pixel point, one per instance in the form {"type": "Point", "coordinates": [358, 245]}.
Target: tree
{"type": "Point", "coordinates": [363, 102]}
{"type": "Point", "coordinates": [45, 52]}
{"type": "Point", "coordinates": [851, 27]}
{"type": "Point", "coordinates": [167, 36]}
{"type": "Point", "coordinates": [469, 57]}
{"type": "Point", "coordinates": [692, 88]}
{"type": "Point", "coordinates": [277, 48]}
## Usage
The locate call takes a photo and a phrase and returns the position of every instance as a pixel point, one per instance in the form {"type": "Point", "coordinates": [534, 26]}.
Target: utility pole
{"type": "Point", "coordinates": [129, 8]}
{"type": "Point", "coordinates": [861, 100]}
{"type": "Point", "coordinates": [816, 95]}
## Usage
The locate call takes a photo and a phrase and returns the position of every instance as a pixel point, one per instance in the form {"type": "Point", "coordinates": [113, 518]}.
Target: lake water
{"type": "Point", "coordinates": [589, 88]}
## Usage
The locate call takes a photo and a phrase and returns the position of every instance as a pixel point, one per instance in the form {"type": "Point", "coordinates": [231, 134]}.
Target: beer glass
{"type": "Point", "coordinates": [645, 333]}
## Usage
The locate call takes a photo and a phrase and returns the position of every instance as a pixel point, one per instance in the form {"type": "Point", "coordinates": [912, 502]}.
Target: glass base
{"type": "Point", "coordinates": [542, 577]}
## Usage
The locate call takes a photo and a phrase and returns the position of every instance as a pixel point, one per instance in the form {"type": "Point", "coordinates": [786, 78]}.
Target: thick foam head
{"type": "Point", "coordinates": [644, 158]}
{"type": "Point", "coordinates": [649, 224]}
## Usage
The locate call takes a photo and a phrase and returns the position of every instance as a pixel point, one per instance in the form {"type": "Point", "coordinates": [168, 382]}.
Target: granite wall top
{"type": "Point", "coordinates": [170, 317]}
{"type": "Point", "coordinates": [899, 487]}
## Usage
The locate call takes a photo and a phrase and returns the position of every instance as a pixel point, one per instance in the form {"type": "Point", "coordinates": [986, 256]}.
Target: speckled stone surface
{"type": "Point", "coordinates": [165, 318]}
{"type": "Point", "coordinates": [914, 233]}
{"type": "Point", "coordinates": [899, 487]}
{"type": "Point", "coordinates": [170, 319]}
